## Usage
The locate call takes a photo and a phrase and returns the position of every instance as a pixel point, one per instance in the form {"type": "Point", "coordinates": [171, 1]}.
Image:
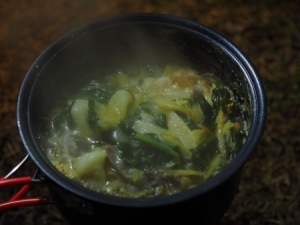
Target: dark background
{"type": "Point", "coordinates": [267, 31]}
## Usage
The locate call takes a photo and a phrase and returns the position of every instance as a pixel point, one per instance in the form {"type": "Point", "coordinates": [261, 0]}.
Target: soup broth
{"type": "Point", "coordinates": [147, 133]}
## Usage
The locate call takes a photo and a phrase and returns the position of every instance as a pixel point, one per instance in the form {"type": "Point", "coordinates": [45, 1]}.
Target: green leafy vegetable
{"type": "Point", "coordinates": [160, 147]}
{"type": "Point", "coordinates": [145, 132]}
{"type": "Point", "coordinates": [204, 153]}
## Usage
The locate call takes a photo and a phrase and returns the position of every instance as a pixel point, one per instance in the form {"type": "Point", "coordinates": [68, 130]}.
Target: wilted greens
{"type": "Point", "coordinates": [146, 134]}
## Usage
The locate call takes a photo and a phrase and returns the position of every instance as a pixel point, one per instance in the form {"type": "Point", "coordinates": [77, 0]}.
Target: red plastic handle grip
{"type": "Point", "coordinates": [14, 181]}
{"type": "Point", "coordinates": [22, 203]}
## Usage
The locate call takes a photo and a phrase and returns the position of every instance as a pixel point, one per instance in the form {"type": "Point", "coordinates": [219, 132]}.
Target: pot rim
{"type": "Point", "coordinates": [255, 132]}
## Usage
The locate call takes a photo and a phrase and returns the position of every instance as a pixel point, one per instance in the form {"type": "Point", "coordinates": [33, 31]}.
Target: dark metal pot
{"type": "Point", "coordinates": [116, 42]}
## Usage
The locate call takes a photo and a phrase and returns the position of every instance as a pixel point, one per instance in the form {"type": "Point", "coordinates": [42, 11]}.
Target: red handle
{"type": "Point", "coordinates": [26, 183]}
{"type": "Point", "coordinates": [23, 202]}
{"type": "Point", "coordinates": [14, 181]}
{"type": "Point", "coordinates": [15, 201]}
{"type": "Point", "coordinates": [20, 193]}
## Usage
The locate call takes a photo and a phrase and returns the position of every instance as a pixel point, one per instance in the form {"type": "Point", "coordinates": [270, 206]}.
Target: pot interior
{"type": "Point", "coordinates": [106, 50]}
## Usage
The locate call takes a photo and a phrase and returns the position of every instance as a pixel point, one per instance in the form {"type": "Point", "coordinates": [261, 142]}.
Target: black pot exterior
{"type": "Point", "coordinates": [207, 209]}
{"type": "Point", "coordinates": [116, 43]}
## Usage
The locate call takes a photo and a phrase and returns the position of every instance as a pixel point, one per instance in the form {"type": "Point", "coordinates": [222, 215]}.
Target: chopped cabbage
{"type": "Point", "coordinates": [178, 127]}
{"type": "Point", "coordinates": [91, 164]}
{"type": "Point", "coordinates": [116, 110]}
{"type": "Point", "coordinates": [79, 113]}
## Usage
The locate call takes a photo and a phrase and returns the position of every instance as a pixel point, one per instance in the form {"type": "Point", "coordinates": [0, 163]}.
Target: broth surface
{"type": "Point", "coordinates": [147, 132]}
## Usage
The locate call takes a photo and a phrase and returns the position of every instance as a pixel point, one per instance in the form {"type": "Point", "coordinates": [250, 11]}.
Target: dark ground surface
{"type": "Point", "coordinates": [267, 31]}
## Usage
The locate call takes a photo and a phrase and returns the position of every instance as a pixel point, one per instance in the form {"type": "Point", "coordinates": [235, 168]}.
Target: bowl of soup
{"type": "Point", "coordinates": [142, 115]}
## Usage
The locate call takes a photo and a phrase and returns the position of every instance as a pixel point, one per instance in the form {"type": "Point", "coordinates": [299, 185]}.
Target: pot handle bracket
{"type": "Point", "coordinates": [26, 184]}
